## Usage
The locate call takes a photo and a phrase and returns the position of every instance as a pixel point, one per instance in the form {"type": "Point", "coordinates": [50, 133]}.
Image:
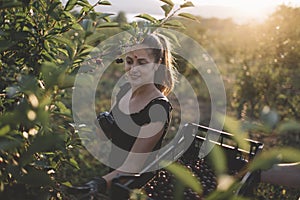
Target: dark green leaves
{"type": "Point", "coordinates": [10, 4]}
{"type": "Point", "coordinates": [10, 143]}
{"type": "Point", "coordinates": [5, 44]}
{"type": "Point", "coordinates": [36, 177]}
{"type": "Point", "coordinates": [70, 5]}
{"type": "Point", "coordinates": [108, 25]}
{"type": "Point", "coordinates": [42, 143]}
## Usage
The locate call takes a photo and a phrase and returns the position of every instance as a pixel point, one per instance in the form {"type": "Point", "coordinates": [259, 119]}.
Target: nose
{"type": "Point", "coordinates": [133, 66]}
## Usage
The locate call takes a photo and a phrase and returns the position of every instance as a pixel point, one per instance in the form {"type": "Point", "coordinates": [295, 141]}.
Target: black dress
{"type": "Point", "coordinates": [126, 127]}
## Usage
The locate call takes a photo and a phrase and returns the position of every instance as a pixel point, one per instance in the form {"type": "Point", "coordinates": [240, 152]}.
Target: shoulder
{"type": "Point", "coordinates": [159, 109]}
{"type": "Point", "coordinates": [160, 102]}
{"type": "Point", "coordinates": [161, 99]}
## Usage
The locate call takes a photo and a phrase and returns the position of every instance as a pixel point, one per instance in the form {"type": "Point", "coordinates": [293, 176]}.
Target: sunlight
{"type": "Point", "coordinates": [251, 9]}
{"type": "Point", "coordinates": [248, 9]}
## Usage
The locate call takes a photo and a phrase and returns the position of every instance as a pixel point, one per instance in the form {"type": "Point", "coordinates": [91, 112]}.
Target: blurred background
{"type": "Point", "coordinates": [254, 44]}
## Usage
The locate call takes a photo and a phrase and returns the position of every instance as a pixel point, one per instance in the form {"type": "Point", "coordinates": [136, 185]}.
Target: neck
{"type": "Point", "coordinates": [144, 89]}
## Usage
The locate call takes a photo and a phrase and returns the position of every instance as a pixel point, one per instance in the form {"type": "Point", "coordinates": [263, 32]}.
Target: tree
{"type": "Point", "coordinates": [42, 44]}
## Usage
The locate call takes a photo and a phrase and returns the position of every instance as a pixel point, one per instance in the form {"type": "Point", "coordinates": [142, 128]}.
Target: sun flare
{"type": "Point", "coordinates": [244, 9]}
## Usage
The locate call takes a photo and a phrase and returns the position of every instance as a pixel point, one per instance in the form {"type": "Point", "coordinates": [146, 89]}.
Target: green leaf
{"type": "Point", "coordinates": [185, 176]}
{"type": "Point", "coordinates": [74, 163]}
{"type": "Point", "coordinates": [69, 45]}
{"type": "Point", "coordinates": [52, 7]}
{"type": "Point", "coordinates": [106, 3]}
{"type": "Point", "coordinates": [187, 4]}
{"type": "Point", "coordinates": [218, 158]}
{"type": "Point", "coordinates": [63, 51]}
{"type": "Point", "coordinates": [174, 23]}
{"type": "Point", "coordinates": [70, 5]}
{"type": "Point", "coordinates": [167, 9]}
{"type": "Point", "coordinates": [187, 15]}
{"type": "Point", "coordinates": [4, 130]}
{"type": "Point", "coordinates": [86, 49]}
{"type": "Point", "coordinates": [235, 127]}
{"type": "Point", "coordinates": [169, 2]}
{"type": "Point", "coordinates": [108, 24]}
{"type": "Point", "coordinates": [85, 5]}
{"type": "Point", "coordinates": [147, 17]}
{"type": "Point", "coordinates": [267, 159]}
{"type": "Point", "coordinates": [62, 108]}
{"type": "Point", "coordinates": [289, 126]}
{"type": "Point", "coordinates": [77, 26]}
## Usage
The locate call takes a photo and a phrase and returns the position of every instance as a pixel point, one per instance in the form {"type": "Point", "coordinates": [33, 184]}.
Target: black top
{"type": "Point", "coordinates": [126, 127]}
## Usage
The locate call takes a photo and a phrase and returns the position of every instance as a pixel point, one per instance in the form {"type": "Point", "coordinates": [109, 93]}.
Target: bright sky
{"type": "Point", "coordinates": [246, 9]}
{"type": "Point", "coordinates": [240, 10]}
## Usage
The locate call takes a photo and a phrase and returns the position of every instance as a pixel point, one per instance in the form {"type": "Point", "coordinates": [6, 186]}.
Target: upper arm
{"type": "Point", "coordinates": [149, 136]}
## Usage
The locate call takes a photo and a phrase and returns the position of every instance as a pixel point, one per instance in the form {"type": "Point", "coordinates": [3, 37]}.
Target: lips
{"type": "Point", "coordinates": [134, 76]}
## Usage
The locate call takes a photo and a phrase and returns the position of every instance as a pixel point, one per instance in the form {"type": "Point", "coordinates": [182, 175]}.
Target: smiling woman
{"type": "Point", "coordinates": [140, 116]}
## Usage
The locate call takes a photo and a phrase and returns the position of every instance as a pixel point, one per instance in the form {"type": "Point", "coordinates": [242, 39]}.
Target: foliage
{"type": "Point", "coordinates": [42, 44]}
{"type": "Point", "coordinates": [268, 58]}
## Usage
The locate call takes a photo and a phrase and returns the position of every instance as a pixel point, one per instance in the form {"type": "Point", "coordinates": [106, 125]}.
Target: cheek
{"type": "Point", "coordinates": [126, 68]}
{"type": "Point", "coordinates": [149, 70]}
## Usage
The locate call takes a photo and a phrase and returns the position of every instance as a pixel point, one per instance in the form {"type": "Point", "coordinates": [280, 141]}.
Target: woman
{"type": "Point", "coordinates": [141, 114]}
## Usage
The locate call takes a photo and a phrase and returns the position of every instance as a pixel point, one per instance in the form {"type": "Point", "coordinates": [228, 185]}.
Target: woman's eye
{"type": "Point", "coordinates": [143, 62]}
{"type": "Point", "coordinates": [129, 62]}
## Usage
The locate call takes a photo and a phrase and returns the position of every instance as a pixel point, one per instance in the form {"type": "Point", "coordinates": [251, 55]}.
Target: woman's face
{"type": "Point", "coordinates": [140, 67]}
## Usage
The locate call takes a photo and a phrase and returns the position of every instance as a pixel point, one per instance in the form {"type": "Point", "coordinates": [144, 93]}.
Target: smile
{"type": "Point", "coordinates": [134, 76]}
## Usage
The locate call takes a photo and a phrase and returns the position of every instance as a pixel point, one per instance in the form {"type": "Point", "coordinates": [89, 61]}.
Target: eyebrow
{"type": "Point", "coordinates": [139, 59]}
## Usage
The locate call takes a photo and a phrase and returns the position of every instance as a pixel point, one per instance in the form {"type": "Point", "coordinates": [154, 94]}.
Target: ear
{"type": "Point", "coordinates": [156, 66]}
